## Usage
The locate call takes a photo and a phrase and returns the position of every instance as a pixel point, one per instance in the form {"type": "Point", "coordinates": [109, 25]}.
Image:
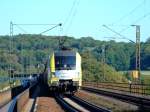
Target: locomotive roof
{"type": "Point", "coordinates": [65, 53]}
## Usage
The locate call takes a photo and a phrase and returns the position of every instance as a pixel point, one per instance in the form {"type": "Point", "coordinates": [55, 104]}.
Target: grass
{"type": "Point", "coordinates": [145, 72]}
{"type": "Point", "coordinates": [145, 76]}
{"type": "Point", "coordinates": [145, 79]}
{"type": "Point", "coordinates": [8, 84]}
{"type": "Point", "coordinates": [4, 85]}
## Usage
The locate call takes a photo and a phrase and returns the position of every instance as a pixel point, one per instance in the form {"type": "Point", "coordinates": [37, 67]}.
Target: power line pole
{"type": "Point", "coordinates": [137, 63]}
{"type": "Point", "coordinates": [103, 61]}
{"type": "Point", "coordinates": [138, 47]}
{"type": "Point", "coordinates": [12, 25]}
{"type": "Point", "coordinates": [11, 51]}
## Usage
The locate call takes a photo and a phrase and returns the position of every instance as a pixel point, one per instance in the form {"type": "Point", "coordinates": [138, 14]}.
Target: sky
{"type": "Point", "coordinates": [79, 18]}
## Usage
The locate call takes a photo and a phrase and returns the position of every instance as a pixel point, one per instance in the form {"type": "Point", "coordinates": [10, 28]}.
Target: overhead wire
{"type": "Point", "coordinates": [70, 12]}
{"type": "Point", "coordinates": [34, 24]}
{"type": "Point", "coordinates": [20, 28]}
{"type": "Point", "coordinates": [131, 12]}
{"type": "Point", "coordinates": [128, 14]}
{"type": "Point", "coordinates": [120, 35]}
{"type": "Point", "coordinates": [136, 21]}
{"type": "Point", "coordinates": [72, 16]}
{"type": "Point", "coordinates": [50, 28]}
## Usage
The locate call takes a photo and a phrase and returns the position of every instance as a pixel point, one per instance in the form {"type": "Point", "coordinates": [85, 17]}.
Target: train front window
{"type": "Point", "coordinates": [65, 62]}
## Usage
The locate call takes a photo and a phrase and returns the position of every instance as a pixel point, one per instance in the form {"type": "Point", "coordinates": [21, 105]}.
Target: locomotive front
{"type": "Point", "coordinates": [65, 71]}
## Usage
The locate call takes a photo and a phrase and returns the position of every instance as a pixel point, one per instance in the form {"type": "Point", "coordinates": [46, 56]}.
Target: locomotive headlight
{"type": "Point", "coordinates": [53, 75]}
{"type": "Point", "coordinates": [54, 78]}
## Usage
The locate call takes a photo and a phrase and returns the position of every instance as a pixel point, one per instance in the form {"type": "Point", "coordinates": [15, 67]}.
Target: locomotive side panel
{"type": "Point", "coordinates": [79, 69]}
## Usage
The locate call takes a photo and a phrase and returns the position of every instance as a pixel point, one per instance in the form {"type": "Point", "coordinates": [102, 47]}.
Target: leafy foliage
{"type": "Point", "coordinates": [93, 70]}
{"type": "Point", "coordinates": [28, 51]}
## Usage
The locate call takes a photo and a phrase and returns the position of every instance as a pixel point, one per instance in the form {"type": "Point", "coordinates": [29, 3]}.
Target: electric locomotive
{"type": "Point", "coordinates": [64, 70]}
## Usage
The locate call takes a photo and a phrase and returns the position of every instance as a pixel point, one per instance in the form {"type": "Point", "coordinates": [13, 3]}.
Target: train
{"type": "Point", "coordinates": [64, 71]}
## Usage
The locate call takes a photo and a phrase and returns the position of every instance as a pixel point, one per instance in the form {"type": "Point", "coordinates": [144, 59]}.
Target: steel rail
{"type": "Point", "coordinates": [89, 106]}
{"type": "Point", "coordinates": [143, 103]}
{"type": "Point", "coordinates": [64, 104]}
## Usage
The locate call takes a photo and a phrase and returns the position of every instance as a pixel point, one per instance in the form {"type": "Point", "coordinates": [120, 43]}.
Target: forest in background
{"type": "Point", "coordinates": [30, 52]}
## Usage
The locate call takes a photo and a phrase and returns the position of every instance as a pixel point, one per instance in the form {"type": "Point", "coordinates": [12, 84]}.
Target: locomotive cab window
{"type": "Point", "coordinates": [65, 62]}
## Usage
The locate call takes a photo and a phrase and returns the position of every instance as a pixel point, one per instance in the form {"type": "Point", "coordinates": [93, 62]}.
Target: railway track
{"type": "Point", "coordinates": [142, 103]}
{"type": "Point", "coordinates": [48, 101]}
{"type": "Point", "coordinates": [75, 104]}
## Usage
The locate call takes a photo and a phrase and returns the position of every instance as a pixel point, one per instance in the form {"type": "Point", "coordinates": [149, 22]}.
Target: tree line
{"type": "Point", "coordinates": [26, 51]}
